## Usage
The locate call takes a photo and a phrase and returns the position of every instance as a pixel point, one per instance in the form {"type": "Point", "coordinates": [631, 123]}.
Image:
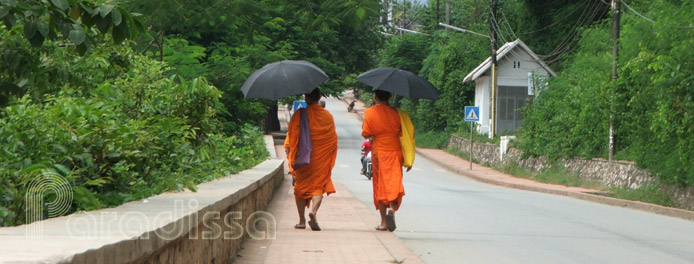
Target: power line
{"type": "Point", "coordinates": [651, 20]}
{"type": "Point", "coordinates": [546, 27]}
{"type": "Point", "coordinates": [565, 46]}
{"type": "Point", "coordinates": [584, 19]}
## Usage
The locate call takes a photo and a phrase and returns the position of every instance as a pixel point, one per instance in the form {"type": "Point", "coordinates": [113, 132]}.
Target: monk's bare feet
{"type": "Point", "coordinates": [381, 228]}
{"type": "Point", "coordinates": [300, 226]}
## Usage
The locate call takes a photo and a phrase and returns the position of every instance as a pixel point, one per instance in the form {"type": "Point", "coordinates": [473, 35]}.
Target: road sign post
{"type": "Point", "coordinates": [472, 114]}
{"type": "Point", "coordinates": [298, 105]}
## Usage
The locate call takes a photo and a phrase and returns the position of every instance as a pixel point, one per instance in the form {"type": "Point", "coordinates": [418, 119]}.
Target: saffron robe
{"type": "Point", "coordinates": [383, 123]}
{"type": "Point", "coordinates": [315, 178]}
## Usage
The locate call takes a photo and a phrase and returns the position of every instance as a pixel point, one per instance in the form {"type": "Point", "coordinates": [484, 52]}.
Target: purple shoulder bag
{"type": "Point", "coordinates": [305, 147]}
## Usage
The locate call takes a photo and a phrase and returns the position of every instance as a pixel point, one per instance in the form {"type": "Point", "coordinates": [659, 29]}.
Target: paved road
{"type": "Point", "coordinates": [447, 218]}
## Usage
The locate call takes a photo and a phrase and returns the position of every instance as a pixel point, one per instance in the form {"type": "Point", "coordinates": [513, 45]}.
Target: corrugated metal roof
{"type": "Point", "coordinates": [500, 53]}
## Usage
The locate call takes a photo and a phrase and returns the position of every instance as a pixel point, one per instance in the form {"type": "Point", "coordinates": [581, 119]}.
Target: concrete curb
{"type": "Point", "coordinates": [270, 146]}
{"type": "Point", "coordinates": [653, 208]}
{"type": "Point", "coordinates": [107, 235]}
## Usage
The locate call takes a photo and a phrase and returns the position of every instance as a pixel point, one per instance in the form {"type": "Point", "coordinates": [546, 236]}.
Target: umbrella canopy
{"type": "Point", "coordinates": [400, 82]}
{"type": "Point", "coordinates": [284, 78]}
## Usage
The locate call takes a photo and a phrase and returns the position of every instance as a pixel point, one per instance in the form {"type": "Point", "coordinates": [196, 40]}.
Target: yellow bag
{"type": "Point", "coordinates": [407, 143]}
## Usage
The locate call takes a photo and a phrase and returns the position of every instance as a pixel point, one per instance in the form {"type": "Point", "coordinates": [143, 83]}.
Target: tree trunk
{"type": "Point", "coordinates": [272, 122]}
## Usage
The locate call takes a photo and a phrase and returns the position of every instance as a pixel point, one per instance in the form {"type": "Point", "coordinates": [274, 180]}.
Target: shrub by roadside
{"type": "Point", "coordinates": [131, 138]}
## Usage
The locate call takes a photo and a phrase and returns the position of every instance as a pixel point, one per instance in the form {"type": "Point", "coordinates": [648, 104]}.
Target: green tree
{"type": "Point", "coordinates": [28, 25]}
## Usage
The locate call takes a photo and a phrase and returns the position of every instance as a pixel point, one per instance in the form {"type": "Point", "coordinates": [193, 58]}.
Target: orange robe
{"type": "Point", "coordinates": [383, 123]}
{"type": "Point", "coordinates": [315, 178]}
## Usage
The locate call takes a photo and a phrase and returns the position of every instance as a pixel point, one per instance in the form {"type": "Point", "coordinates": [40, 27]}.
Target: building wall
{"type": "Point", "coordinates": [507, 76]}
{"type": "Point", "coordinates": [482, 99]}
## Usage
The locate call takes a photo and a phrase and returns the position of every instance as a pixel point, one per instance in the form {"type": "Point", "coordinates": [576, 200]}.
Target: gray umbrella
{"type": "Point", "coordinates": [284, 78]}
{"type": "Point", "coordinates": [400, 82]}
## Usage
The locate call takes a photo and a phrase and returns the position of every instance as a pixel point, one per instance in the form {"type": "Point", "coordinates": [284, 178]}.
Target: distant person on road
{"type": "Point", "coordinates": [382, 124]}
{"type": "Point", "coordinates": [312, 180]}
{"type": "Point", "coordinates": [351, 105]}
{"type": "Point", "coordinates": [373, 102]}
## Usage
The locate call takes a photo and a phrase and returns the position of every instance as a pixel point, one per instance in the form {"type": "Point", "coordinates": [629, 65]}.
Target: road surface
{"type": "Point", "coordinates": [448, 218]}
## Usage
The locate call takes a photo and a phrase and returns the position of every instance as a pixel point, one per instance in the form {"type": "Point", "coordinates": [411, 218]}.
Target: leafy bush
{"type": "Point", "coordinates": [131, 138]}
{"type": "Point", "coordinates": [432, 139]}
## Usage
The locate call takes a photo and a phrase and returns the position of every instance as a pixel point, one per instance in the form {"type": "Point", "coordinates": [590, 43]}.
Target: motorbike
{"type": "Point", "coordinates": [350, 107]}
{"type": "Point", "coordinates": [367, 172]}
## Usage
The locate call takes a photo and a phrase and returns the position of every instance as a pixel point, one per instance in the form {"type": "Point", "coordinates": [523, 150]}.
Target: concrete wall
{"type": "Point", "coordinates": [207, 226]}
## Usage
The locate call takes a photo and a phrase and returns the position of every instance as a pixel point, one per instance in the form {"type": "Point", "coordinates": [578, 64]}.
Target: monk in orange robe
{"type": "Point", "coordinates": [382, 123]}
{"type": "Point", "coordinates": [312, 180]}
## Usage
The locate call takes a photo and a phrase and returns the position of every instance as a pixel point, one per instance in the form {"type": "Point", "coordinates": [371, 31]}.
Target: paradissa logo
{"type": "Point", "coordinates": [172, 224]}
{"type": "Point", "coordinates": [49, 195]}
{"type": "Point", "coordinates": [47, 183]}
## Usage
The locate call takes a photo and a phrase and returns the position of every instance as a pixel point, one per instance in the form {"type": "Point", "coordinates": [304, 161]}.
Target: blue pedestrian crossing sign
{"type": "Point", "coordinates": [299, 104]}
{"type": "Point", "coordinates": [472, 113]}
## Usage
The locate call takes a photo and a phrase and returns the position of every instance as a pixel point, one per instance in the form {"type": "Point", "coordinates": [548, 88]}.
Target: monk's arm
{"type": "Point", "coordinates": [366, 128]}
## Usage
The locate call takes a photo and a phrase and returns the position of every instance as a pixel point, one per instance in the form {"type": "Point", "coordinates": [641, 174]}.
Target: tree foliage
{"type": "Point", "coordinates": [33, 29]}
{"type": "Point", "coordinates": [651, 102]}
{"type": "Point", "coordinates": [129, 138]}
{"type": "Point", "coordinates": [241, 36]}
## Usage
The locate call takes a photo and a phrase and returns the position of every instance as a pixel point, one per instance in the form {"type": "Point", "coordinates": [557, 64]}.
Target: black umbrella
{"type": "Point", "coordinates": [400, 82]}
{"type": "Point", "coordinates": [284, 78]}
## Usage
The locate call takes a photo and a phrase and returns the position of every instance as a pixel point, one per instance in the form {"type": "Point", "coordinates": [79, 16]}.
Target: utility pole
{"type": "Point", "coordinates": [492, 27]}
{"type": "Point", "coordinates": [448, 13]}
{"type": "Point", "coordinates": [438, 18]}
{"type": "Point", "coordinates": [615, 55]}
{"type": "Point", "coordinates": [404, 13]}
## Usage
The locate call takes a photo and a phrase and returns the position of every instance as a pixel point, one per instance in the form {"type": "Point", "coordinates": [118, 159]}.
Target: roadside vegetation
{"type": "Point", "coordinates": [126, 99]}
{"type": "Point", "coordinates": [650, 104]}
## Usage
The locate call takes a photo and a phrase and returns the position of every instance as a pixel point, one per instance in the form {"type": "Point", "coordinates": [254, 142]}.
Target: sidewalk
{"type": "Point", "coordinates": [347, 234]}
{"type": "Point", "coordinates": [487, 175]}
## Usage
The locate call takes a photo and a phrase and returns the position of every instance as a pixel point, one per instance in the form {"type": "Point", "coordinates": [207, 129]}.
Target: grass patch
{"type": "Point", "coordinates": [648, 194]}
{"type": "Point", "coordinates": [514, 170]}
{"type": "Point", "coordinates": [464, 132]}
{"type": "Point", "coordinates": [432, 139]}
{"type": "Point", "coordinates": [558, 175]}
{"type": "Point", "coordinates": [553, 175]}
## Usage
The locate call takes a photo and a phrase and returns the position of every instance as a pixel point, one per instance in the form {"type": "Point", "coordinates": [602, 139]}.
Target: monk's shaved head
{"type": "Point", "coordinates": [314, 96]}
{"type": "Point", "coordinates": [382, 96]}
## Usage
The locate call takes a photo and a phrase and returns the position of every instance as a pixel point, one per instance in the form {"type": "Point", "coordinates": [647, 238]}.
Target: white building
{"type": "Point", "coordinates": [519, 71]}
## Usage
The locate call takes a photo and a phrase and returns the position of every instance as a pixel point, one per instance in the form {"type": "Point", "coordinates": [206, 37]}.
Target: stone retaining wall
{"type": "Point", "coordinates": [207, 226]}
{"type": "Point", "coordinates": [612, 174]}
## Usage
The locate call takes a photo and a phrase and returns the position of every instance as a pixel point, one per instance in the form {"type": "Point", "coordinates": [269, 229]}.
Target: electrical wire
{"type": "Point", "coordinates": [651, 20]}
{"type": "Point", "coordinates": [566, 46]}
{"type": "Point", "coordinates": [584, 20]}
{"type": "Point", "coordinates": [546, 27]}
